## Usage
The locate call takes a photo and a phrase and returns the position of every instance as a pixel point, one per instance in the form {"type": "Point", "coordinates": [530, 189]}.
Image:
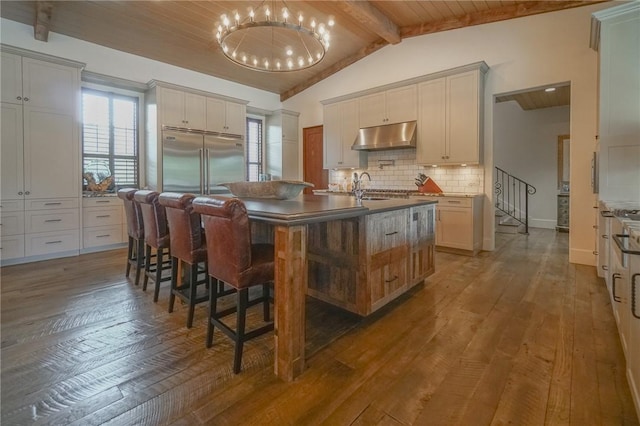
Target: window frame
{"type": "Point", "coordinates": [119, 91]}
{"type": "Point", "coordinates": [261, 164]}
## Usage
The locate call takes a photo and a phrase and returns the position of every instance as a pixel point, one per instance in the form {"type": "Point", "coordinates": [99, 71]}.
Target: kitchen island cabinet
{"type": "Point", "coordinates": [307, 229]}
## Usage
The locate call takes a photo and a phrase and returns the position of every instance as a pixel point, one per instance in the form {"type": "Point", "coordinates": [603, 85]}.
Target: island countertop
{"type": "Point", "coordinates": [314, 208]}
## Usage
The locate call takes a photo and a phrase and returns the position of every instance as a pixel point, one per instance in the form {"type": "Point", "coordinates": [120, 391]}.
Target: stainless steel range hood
{"type": "Point", "coordinates": [390, 136]}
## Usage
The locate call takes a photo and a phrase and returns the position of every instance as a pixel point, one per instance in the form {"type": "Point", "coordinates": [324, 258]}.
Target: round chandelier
{"type": "Point", "coordinates": [272, 39]}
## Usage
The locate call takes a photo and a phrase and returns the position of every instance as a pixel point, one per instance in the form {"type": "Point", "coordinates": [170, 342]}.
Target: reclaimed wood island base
{"type": "Point", "coordinates": [358, 256]}
{"type": "Point", "coordinates": [361, 264]}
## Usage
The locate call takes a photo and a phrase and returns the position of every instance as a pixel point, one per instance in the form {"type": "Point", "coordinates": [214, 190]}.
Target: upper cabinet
{"type": "Point", "coordinates": [40, 134]}
{"type": "Point", "coordinates": [39, 84]}
{"type": "Point", "coordinates": [391, 106]}
{"type": "Point", "coordinates": [181, 109]}
{"type": "Point", "coordinates": [340, 130]}
{"type": "Point", "coordinates": [226, 116]}
{"type": "Point", "coordinates": [450, 118]}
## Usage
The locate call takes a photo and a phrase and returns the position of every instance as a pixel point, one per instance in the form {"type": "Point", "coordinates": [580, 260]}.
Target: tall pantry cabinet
{"type": "Point", "coordinates": [40, 157]}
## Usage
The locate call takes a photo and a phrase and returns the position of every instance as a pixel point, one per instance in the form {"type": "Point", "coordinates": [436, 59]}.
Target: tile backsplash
{"type": "Point", "coordinates": [399, 169]}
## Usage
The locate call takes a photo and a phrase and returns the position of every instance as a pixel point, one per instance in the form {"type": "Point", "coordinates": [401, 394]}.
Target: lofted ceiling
{"type": "Point", "coordinates": [181, 32]}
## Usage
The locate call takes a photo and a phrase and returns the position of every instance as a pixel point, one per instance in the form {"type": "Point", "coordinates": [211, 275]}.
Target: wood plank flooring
{"type": "Point", "coordinates": [514, 336]}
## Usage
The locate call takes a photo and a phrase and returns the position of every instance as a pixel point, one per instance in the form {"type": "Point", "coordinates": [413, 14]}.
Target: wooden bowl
{"type": "Point", "coordinates": [278, 189]}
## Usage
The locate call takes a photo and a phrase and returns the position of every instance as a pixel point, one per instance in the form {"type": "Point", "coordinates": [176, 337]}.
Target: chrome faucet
{"type": "Point", "coordinates": [357, 189]}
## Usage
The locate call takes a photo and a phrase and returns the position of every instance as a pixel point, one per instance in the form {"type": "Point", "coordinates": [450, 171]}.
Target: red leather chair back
{"type": "Point", "coordinates": [156, 232]}
{"type": "Point", "coordinates": [133, 213]}
{"type": "Point", "coordinates": [186, 238]}
{"type": "Point", "coordinates": [232, 257]}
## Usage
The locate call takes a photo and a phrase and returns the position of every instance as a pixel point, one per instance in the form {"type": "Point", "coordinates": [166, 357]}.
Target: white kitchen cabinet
{"type": "Point", "coordinates": [616, 37]}
{"type": "Point", "coordinates": [40, 151]}
{"type": "Point", "coordinates": [459, 224]}
{"type": "Point", "coordinates": [450, 118]}
{"type": "Point", "coordinates": [391, 106]}
{"type": "Point", "coordinates": [225, 116]}
{"type": "Point", "coordinates": [633, 360]}
{"type": "Point", "coordinates": [282, 147]}
{"type": "Point", "coordinates": [341, 125]}
{"type": "Point", "coordinates": [103, 223]}
{"type": "Point", "coordinates": [178, 108]}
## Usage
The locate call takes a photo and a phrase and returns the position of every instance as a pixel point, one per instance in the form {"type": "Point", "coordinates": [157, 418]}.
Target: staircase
{"type": "Point", "coordinates": [512, 203]}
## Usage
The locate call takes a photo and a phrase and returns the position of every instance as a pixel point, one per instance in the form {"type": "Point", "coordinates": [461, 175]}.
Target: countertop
{"type": "Point", "coordinates": [315, 208]}
{"type": "Point", "coordinates": [411, 193]}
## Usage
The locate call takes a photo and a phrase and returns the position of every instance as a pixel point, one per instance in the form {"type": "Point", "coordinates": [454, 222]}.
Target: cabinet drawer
{"type": "Point", "coordinates": [51, 242]}
{"type": "Point", "coordinates": [12, 247]}
{"type": "Point", "coordinates": [101, 202]}
{"type": "Point", "coordinates": [100, 216]}
{"type": "Point", "coordinates": [12, 205]}
{"type": "Point", "coordinates": [51, 220]}
{"type": "Point", "coordinates": [102, 236]}
{"type": "Point", "coordinates": [386, 230]}
{"type": "Point", "coordinates": [12, 223]}
{"type": "Point", "coordinates": [455, 202]}
{"type": "Point", "coordinates": [54, 203]}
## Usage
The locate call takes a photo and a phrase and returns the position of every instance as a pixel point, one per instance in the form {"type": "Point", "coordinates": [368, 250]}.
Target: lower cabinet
{"type": "Point", "coordinates": [363, 263]}
{"type": "Point", "coordinates": [459, 224]}
{"type": "Point", "coordinates": [39, 229]}
{"type": "Point", "coordinates": [103, 223]}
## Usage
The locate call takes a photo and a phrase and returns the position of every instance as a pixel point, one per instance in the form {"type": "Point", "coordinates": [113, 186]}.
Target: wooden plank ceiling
{"type": "Point", "coordinates": [545, 97]}
{"type": "Point", "coordinates": [182, 33]}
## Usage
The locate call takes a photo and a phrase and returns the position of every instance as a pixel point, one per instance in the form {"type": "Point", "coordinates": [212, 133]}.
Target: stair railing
{"type": "Point", "coordinates": [512, 197]}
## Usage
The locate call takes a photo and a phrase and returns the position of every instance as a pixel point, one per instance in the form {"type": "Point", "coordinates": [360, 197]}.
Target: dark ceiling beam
{"type": "Point", "coordinates": [341, 64]}
{"type": "Point", "coordinates": [492, 15]}
{"type": "Point", "coordinates": [374, 20]}
{"type": "Point", "coordinates": [42, 23]}
{"type": "Point", "coordinates": [478, 18]}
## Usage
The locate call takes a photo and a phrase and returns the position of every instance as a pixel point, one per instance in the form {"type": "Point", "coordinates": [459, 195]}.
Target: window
{"type": "Point", "coordinates": [254, 148]}
{"type": "Point", "coordinates": [109, 140]}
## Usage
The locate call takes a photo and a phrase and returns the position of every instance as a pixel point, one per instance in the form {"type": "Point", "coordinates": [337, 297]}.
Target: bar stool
{"type": "Point", "coordinates": [234, 260]}
{"type": "Point", "coordinates": [156, 237]}
{"type": "Point", "coordinates": [135, 230]}
{"type": "Point", "coordinates": [188, 246]}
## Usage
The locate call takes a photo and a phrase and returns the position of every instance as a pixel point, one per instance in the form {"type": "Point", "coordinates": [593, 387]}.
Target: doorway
{"type": "Point", "coordinates": [312, 158]}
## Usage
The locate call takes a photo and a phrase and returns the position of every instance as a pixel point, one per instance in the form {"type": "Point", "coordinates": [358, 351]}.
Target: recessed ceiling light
{"type": "Point", "coordinates": [550, 89]}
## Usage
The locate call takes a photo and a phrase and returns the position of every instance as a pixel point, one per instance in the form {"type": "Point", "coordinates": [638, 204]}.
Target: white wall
{"type": "Point", "coordinates": [114, 63]}
{"type": "Point", "coordinates": [525, 144]}
{"type": "Point", "coordinates": [521, 53]}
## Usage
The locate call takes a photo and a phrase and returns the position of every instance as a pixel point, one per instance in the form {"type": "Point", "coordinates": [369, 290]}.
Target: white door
{"type": "Point", "coordinates": [11, 153]}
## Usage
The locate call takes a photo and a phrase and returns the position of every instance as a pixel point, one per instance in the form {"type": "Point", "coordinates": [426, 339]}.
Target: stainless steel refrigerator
{"type": "Point", "coordinates": [197, 161]}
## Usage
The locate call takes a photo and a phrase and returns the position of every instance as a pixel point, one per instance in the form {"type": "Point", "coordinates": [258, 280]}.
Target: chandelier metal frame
{"type": "Point", "coordinates": [312, 43]}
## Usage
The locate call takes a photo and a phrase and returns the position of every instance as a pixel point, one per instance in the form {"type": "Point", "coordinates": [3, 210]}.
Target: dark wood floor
{"type": "Point", "coordinates": [515, 336]}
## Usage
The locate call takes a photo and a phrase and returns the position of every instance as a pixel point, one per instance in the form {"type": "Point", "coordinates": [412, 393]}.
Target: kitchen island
{"type": "Point", "coordinates": [356, 255]}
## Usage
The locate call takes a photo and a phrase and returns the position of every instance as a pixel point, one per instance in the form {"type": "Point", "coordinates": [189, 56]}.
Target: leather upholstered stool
{"type": "Point", "coordinates": [234, 260]}
{"type": "Point", "coordinates": [156, 237]}
{"type": "Point", "coordinates": [135, 231]}
{"type": "Point", "coordinates": [188, 246]}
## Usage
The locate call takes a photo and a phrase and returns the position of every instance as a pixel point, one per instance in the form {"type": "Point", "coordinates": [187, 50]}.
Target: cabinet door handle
{"type": "Point", "coordinates": [605, 268]}
{"type": "Point", "coordinates": [102, 201]}
{"type": "Point", "coordinates": [27, 192]}
{"type": "Point", "coordinates": [53, 242]}
{"type": "Point", "coordinates": [103, 216]}
{"type": "Point", "coordinates": [633, 295]}
{"type": "Point", "coordinates": [53, 220]}
{"type": "Point", "coordinates": [606, 237]}
{"type": "Point", "coordinates": [19, 98]}
{"type": "Point", "coordinates": [613, 287]}
{"type": "Point", "coordinates": [395, 277]}
{"type": "Point", "coordinates": [26, 99]}
{"type": "Point", "coordinates": [454, 202]}
{"type": "Point", "coordinates": [391, 233]}
{"type": "Point", "coordinates": [20, 193]}
{"type": "Point", "coordinates": [103, 236]}
{"type": "Point", "coordinates": [52, 204]}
